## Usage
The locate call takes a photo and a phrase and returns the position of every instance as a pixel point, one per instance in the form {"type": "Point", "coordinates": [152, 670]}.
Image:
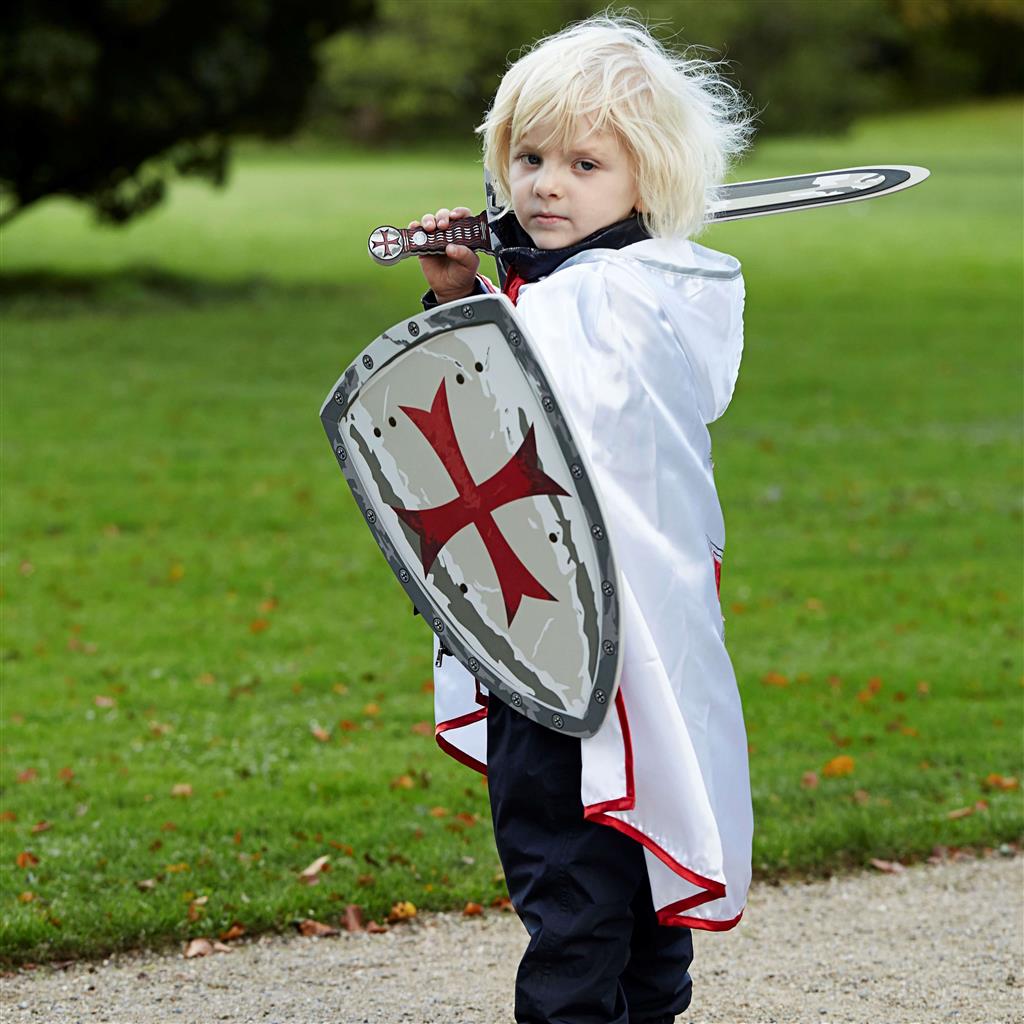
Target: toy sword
{"type": "Point", "coordinates": [388, 245]}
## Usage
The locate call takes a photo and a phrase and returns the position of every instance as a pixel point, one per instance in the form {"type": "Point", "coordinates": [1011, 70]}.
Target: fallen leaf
{"type": "Point", "coordinates": [371, 709]}
{"type": "Point", "coordinates": [236, 931]}
{"type": "Point", "coordinates": [439, 812]}
{"type": "Point", "coordinates": [346, 726]}
{"type": "Point", "coordinates": [319, 733]}
{"type": "Point", "coordinates": [472, 910]}
{"type": "Point", "coordinates": [219, 947]}
{"type": "Point", "coordinates": [176, 572]}
{"type": "Point", "coordinates": [268, 605]}
{"type": "Point", "coordinates": [402, 782]}
{"type": "Point", "coordinates": [809, 780]}
{"type": "Point", "coordinates": [28, 775]}
{"type": "Point", "coordinates": [890, 867]}
{"type": "Point", "coordinates": [427, 687]}
{"type": "Point", "coordinates": [366, 880]}
{"type": "Point", "coordinates": [259, 625]}
{"type": "Point", "coordinates": [995, 781]}
{"type": "Point", "coordinates": [340, 688]}
{"type": "Point", "coordinates": [376, 929]}
{"type": "Point", "coordinates": [103, 701]}
{"type": "Point", "coordinates": [8, 816]}
{"type": "Point", "coordinates": [774, 679]}
{"type": "Point", "coordinates": [352, 919]}
{"type": "Point", "coordinates": [181, 789]}
{"type": "Point", "coordinates": [26, 859]}
{"type": "Point", "coordinates": [198, 947]}
{"type": "Point", "coordinates": [309, 875]}
{"type": "Point", "coordinates": [502, 903]}
{"type": "Point", "coordinates": [862, 797]}
{"type": "Point", "coordinates": [175, 869]}
{"type": "Point", "coordinates": [923, 688]}
{"type": "Point", "coordinates": [875, 684]}
{"type": "Point", "coordinates": [168, 826]}
{"type": "Point", "coordinates": [41, 826]}
{"type": "Point", "coordinates": [65, 774]}
{"type": "Point", "coordinates": [963, 812]}
{"type": "Point", "coordinates": [841, 765]}
{"type": "Point", "coordinates": [26, 897]}
{"type": "Point", "coordinates": [423, 729]}
{"type": "Point", "coordinates": [402, 911]}
{"type": "Point", "coordinates": [195, 907]}
{"type": "Point", "coordinates": [311, 928]}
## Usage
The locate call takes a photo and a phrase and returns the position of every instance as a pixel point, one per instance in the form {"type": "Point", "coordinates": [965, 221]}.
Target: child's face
{"type": "Point", "coordinates": [561, 196]}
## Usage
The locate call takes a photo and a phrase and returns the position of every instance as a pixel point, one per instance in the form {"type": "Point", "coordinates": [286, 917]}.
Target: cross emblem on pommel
{"type": "Point", "coordinates": [382, 240]}
{"type": "Point", "coordinates": [520, 477]}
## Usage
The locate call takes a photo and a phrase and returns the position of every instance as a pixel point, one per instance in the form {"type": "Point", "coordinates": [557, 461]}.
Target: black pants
{"type": "Point", "coordinates": [596, 953]}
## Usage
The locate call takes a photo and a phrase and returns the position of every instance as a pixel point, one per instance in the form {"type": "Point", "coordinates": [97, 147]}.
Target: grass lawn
{"type": "Point", "coordinates": [211, 678]}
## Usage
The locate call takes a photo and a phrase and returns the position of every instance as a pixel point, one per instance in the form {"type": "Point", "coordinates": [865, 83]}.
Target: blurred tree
{"type": "Point", "coordinates": [425, 70]}
{"type": "Point", "coordinates": [429, 70]}
{"type": "Point", "coordinates": [103, 100]}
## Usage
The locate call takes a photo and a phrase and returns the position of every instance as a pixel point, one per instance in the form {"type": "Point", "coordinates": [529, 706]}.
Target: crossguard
{"type": "Point", "coordinates": [388, 245]}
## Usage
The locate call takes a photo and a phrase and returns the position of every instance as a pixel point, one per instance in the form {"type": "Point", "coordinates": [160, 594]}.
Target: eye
{"type": "Point", "coordinates": [586, 165]}
{"type": "Point", "coordinates": [528, 159]}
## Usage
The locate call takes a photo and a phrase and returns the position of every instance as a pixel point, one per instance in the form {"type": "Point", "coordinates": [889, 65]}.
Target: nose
{"type": "Point", "coordinates": [548, 181]}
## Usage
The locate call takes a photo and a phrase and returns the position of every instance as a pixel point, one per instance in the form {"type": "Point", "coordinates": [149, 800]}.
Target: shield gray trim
{"type": "Point", "coordinates": [334, 415]}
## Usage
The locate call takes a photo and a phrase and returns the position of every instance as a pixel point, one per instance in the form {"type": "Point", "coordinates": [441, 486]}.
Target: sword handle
{"type": "Point", "coordinates": [388, 245]}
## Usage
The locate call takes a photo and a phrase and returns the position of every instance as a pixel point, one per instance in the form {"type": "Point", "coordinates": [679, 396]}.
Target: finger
{"type": "Point", "coordinates": [428, 221]}
{"type": "Point", "coordinates": [462, 254]}
{"type": "Point", "coordinates": [414, 224]}
{"type": "Point", "coordinates": [461, 211]}
{"type": "Point", "coordinates": [443, 217]}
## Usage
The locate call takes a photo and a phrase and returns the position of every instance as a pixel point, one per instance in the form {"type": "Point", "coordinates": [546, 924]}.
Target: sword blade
{"type": "Point", "coordinates": [761, 198]}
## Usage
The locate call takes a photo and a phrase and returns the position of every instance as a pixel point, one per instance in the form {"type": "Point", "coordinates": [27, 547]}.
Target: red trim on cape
{"type": "Point", "coordinates": [624, 803]}
{"type": "Point", "coordinates": [453, 751]}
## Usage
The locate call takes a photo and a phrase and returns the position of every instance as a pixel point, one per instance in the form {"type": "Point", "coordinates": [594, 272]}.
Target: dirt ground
{"type": "Point", "coordinates": [941, 942]}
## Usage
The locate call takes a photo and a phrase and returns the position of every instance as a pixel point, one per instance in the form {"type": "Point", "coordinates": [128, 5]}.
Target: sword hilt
{"type": "Point", "coordinates": [389, 245]}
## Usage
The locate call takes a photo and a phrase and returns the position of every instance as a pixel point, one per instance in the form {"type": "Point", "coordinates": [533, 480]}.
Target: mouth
{"type": "Point", "coordinates": [548, 218]}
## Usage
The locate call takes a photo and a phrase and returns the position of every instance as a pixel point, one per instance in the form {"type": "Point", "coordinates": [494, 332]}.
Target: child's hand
{"type": "Point", "coordinates": [453, 275]}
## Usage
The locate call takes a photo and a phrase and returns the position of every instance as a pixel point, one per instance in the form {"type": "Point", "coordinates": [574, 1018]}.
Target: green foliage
{"type": "Point", "coordinates": [104, 101]}
{"type": "Point", "coordinates": [178, 541]}
{"type": "Point", "coordinates": [430, 70]}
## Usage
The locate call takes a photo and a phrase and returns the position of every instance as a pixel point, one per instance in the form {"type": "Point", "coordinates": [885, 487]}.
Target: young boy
{"type": "Point", "coordinates": [614, 847]}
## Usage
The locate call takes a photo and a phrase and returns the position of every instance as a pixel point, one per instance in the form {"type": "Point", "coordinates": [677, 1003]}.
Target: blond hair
{"type": "Point", "coordinates": [679, 120]}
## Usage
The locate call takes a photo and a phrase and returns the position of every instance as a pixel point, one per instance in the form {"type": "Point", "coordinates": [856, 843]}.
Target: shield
{"type": "Point", "coordinates": [453, 442]}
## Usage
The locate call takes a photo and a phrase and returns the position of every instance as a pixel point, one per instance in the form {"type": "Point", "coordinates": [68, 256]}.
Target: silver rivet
{"type": "Point", "coordinates": [414, 328]}
{"type": "Point", "coordinates": [403, 575]}
{"type": "Point", "coordinates": [547, 403]}
{"type": "Point", "coordinates": [577, 470]}
{"type": "Point", "coordinates": [517, 700]}
{"type": "Point", "coordinates": [607, 589]}
{"type": "Point", "coordinates": [608, 647]}
{"type": "Point", "coordinates": [339, 397]}
{"type": "Point", "coordinates": [371, 516]}
{"type": "Point", "coordinates": [368, 362]}
{"type": "Point", "coordinates": [557, 721]}
{"type": "Point", "coordinates": [473, 664]}
{"type": "Point", "coordinates": [597, 532]}
{"type": "Point", "coordinates": [437, 624]}
{"type": "Point", "coordinates": [467, 312]}
{"type": "Point", "coordinates": [600, 696]}
{"type": "Point", "coordinates": [513, 337]}
{"type": "Point", "coordinates": [339, 450]}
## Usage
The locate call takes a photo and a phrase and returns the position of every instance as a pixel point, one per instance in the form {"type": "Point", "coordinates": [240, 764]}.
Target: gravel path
{"type": "Point", "coordinates": [938, 942]}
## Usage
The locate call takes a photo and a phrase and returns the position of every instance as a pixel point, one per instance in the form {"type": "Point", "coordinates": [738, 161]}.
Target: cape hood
{"type": "Point", "coordinates": [699, 295]}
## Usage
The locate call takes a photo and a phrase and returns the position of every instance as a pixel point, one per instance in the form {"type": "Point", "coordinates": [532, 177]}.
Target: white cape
{"type": "Point", "coordinates": [643, 344]}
